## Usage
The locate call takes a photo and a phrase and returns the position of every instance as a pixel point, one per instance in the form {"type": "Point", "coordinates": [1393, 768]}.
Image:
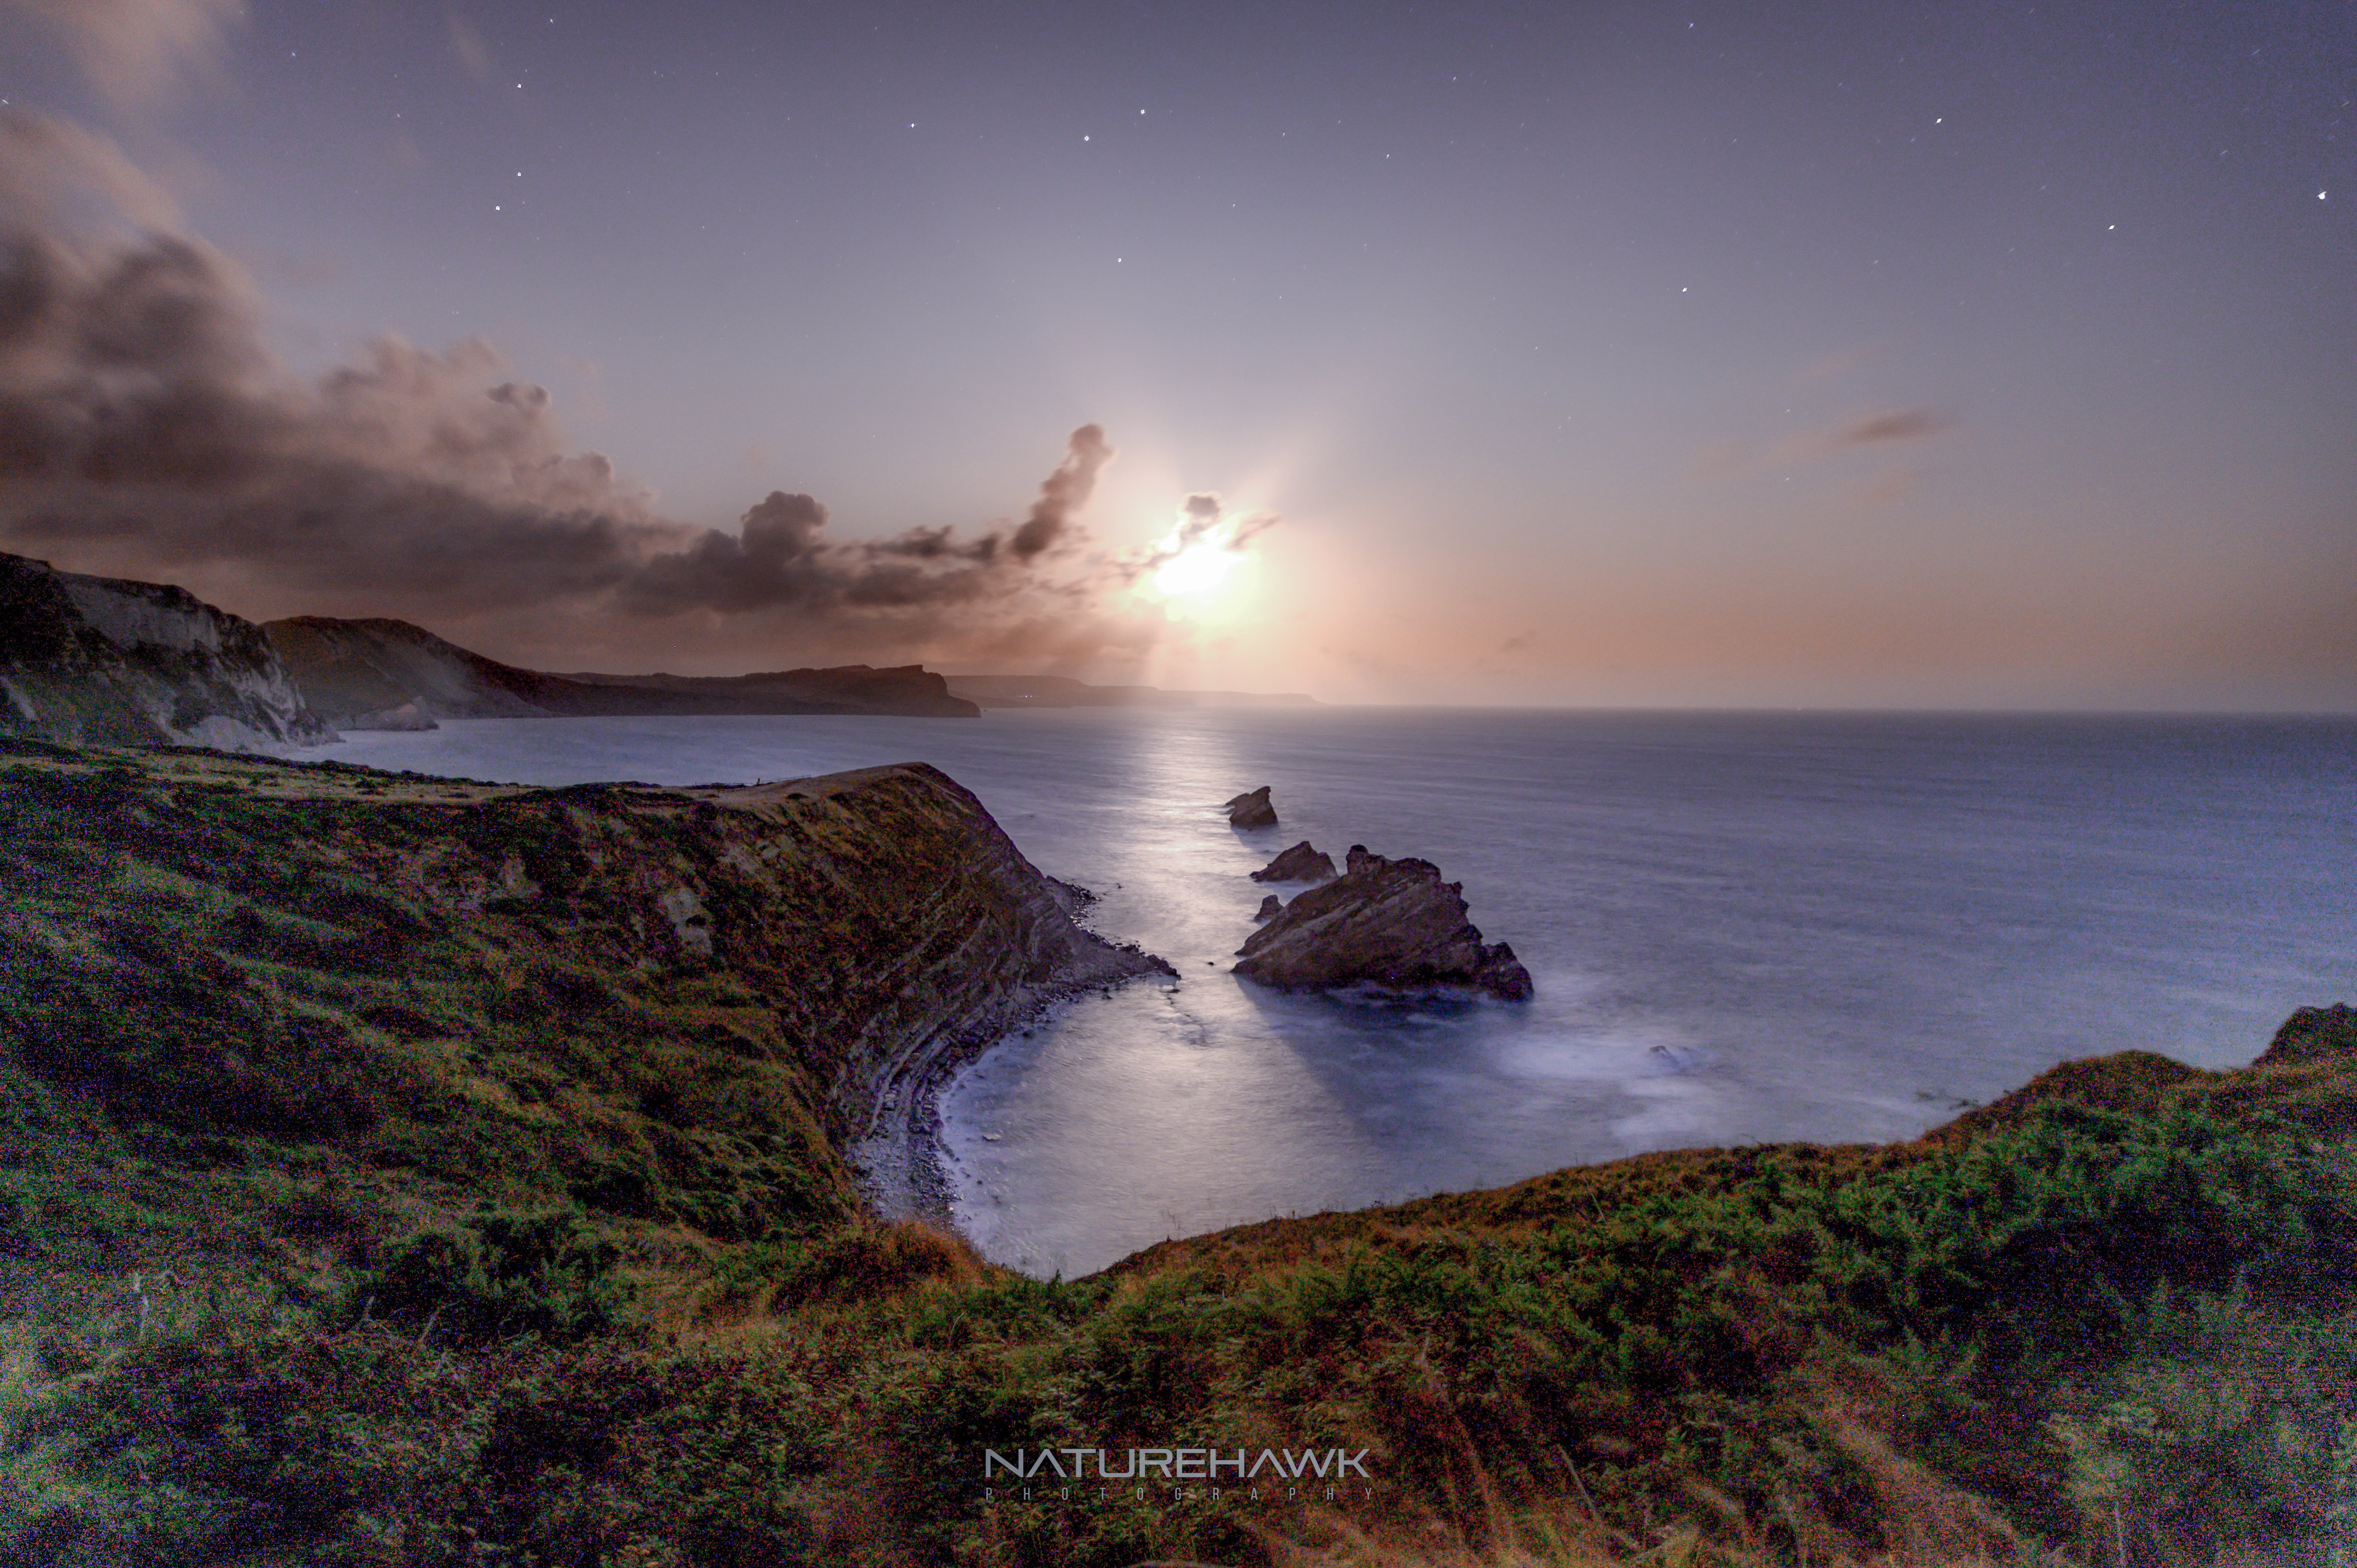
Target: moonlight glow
{"type": "Point", "coordinates": [1192, 568]}
{"type": "Point", "coordinates": [1197, 571]}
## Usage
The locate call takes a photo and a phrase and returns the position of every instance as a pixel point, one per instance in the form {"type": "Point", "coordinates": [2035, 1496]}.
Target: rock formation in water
{"type": "Point", "coordinates": [1269, 907]}
{"type": "Point", "coordinates": [369, 674]}
{"type": "Point", "coordinates": [2312, 1034]}
{"type": "Point", "coordinates": [1299, 863]}
{"type": "Point", "coordinates": [1252, 811]}
{"type": "Point", "coordinates": [1388, 922]}
{"type": "Point", "coordinates": [110, 662]}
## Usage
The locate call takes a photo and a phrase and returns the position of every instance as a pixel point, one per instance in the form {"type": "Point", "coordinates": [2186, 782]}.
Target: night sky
{"type": "Point", "coordinates": [1814, 354]}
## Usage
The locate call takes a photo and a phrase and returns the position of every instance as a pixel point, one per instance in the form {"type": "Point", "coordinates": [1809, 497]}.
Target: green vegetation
{"type": "Point", "coordinates": [374, 1190]}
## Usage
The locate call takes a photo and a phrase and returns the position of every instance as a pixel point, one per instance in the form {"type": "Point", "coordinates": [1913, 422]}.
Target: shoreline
{"type": "Point", "coordinates": [900, 1157]}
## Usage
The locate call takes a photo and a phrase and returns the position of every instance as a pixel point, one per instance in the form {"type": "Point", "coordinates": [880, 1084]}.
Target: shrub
{"type": "Point", "coordinates": [506, 1273]}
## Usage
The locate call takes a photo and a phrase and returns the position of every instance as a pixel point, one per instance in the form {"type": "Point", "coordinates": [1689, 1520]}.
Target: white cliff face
{"type": "Point", "coordinates": [134, 615]}
{"type": "Point", "coordinates": [110, 661]}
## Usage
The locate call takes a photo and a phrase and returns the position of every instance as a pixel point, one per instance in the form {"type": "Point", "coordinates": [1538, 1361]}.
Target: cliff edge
{"type": "Point", "coordinates": [109, 660]}
{"type": "Point", "coordinates": [686, 1005]}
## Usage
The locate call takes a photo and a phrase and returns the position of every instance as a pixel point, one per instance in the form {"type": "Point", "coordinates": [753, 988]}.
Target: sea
{"type": "Point", "coordinates": [1743, 927]}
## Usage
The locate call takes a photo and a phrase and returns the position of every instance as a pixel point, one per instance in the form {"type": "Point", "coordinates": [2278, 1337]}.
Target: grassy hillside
{"type": "Point", "coordinates": [395, 1171]}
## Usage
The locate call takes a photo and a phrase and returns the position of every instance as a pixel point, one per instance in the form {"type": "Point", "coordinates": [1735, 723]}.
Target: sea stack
{"type": "Point", "coordinates": [1394, 923]}
{"type": "Point", "coordinates": [1299, 863]}
{"type": "Point", "coordinates": [1252, 811]}
{"type": "Point", "coordinates": [1269, 907]}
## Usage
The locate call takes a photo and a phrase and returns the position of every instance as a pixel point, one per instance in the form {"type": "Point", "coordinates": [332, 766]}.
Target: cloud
{"type": "Point", "coordinates": [1722, 461]}
{"type": "Point", "coordinates": [145, 428]}
{"type": "Point", "coordinates": [134, 51]}
{"type": "Point", "coordinates": [1881, 427]}
{"type": "Point", "coordinates": [1066, 491]}
{"type": "Point", "coordinates": [467, 48]}
{"type": "Point", "coordinates": [1891, 425]}
{"type": "Point", "coordinates": [54, 174]}
{"type": "Point", "coordinates": [1835, 366]}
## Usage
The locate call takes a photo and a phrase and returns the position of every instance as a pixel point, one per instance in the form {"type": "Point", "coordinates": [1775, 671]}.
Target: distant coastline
{"type": "Point", "coordinates": [1063, 691]}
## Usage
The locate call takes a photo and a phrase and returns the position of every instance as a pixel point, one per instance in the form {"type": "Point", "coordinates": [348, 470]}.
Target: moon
{"type": "Point", "coordinates": [1196, 572]}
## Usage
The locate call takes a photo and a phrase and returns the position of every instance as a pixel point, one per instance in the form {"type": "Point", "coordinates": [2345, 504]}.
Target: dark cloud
{"type": "Point", "coordinates": [143, 421]}
{"type": "Point", "coordinates": [1066, 491]}
{"type": "Point", "coordinates": [1883, 427]}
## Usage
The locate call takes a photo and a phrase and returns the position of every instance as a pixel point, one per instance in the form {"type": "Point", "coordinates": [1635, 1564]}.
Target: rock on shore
{"type": "Point", "coordinates": [1299, 863]}
{"type": "Point", "coordinates": [1392, 922]}
{"type": "Point", "coordinates": [1252, 811]}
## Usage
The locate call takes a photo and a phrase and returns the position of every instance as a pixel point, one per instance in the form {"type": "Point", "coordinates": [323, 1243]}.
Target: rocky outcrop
{"type": "Point", "coordinates": [1269, 907]}
{"type": "Point", "coordinates": [1252, 811]}
{"type": "Point", "coordinates": [1391, 923]}
{"type": "Point", "coordinates": [2312, 1034]}
{"type": "Point", "coordinates": [108, 661]}
{"type": "Point", "coordinates": [407, 717]}
{"type": "Point", "coordinates": [366, 674]}
{"type": "Point", "coordinates": [1299, 863]}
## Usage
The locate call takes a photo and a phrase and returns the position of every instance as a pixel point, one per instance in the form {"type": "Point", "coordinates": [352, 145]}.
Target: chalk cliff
{"type": "Point", "coordinates": [110, 660]}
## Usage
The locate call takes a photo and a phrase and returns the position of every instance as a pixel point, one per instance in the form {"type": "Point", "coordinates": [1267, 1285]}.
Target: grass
{"type": "Point", "coordinates": [384, 1180]}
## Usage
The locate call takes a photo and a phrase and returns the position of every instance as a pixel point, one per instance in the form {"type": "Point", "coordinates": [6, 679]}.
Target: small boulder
{"type": "Point", "coordinates": [1391, 922]}
{"type": "Point", "coordinates": [1252, 811]}
{"type": "Point", "coordinates": [407, 717]}
{"type": "Point", "coordinates": [1269, 907]}
{"type": "Point", "coordinates": [2311, 1034]}
{"type": "Point", "coordinates": [1299, 863]}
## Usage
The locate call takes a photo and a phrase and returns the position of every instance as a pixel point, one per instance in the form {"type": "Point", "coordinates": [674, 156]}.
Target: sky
{"type": "Point", "coordinates": [1809, 355]}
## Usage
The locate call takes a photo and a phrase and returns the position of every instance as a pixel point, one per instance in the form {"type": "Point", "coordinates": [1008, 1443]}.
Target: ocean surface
{"type": "Point", "coordinates": [1743, 927]}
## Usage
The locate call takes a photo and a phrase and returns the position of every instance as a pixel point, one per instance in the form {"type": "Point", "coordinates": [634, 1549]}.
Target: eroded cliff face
{"type": "Point", "coordinates": [682, 1004]}
{"type": "Point", "coordinates": [105, 660]}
